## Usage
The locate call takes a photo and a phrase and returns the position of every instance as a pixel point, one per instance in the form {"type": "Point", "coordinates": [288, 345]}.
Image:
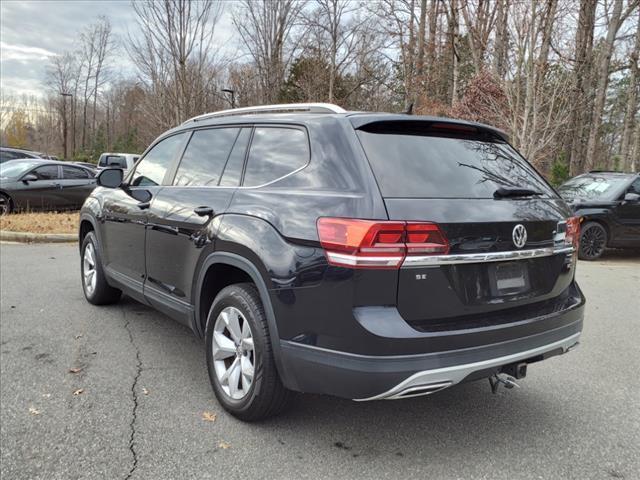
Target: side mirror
{"type": "Point", "coordinates": [30, 177]}
{"type": "Point", "coordinates": [631, 197]}
{"type": "Point", "coordinates": [110, 178]}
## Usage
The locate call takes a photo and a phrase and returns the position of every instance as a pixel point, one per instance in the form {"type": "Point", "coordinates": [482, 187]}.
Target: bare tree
{"type": "Point", "coordinates": [614, 22]}
{"type": "Point", "coordinates": [265, 28]}
{"type": "Point", "coordinates": [61, 74]}
{"type": "Point", "coordinates": [631, 111]}
{"type": "Point", "coordinates": [173, 49]}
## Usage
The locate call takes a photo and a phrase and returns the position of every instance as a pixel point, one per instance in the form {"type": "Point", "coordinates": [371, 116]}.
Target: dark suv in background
{"type": "Point", "coordinates": [608, 204]}
{"type": "Point", "coordinates": [363, 255]}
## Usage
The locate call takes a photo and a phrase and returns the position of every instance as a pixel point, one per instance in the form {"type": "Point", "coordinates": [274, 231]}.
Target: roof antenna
{"type": "Point", "coordinates": [409, 110]}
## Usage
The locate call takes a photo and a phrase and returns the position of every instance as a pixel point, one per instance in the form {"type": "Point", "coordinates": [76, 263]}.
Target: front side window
{"type": "Point", "coordinates": [48, 172]}
{"type": "Point", "coordinates": [153, 167]}
{"type": "Point", "coordinates": [205, 157]}
{"type": "Point", "coordinates": [233, 169]}
{"type": "Point", "coordinates": [274, 153]}
{"type": "Point", "coordinates": [74, 173]}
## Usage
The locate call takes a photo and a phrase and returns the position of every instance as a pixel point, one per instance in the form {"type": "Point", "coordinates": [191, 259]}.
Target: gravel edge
{"type": "Point", "coordinates": [26, 237]}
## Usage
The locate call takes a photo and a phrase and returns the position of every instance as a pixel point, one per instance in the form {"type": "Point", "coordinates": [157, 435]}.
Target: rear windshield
{"type": "Point", "coordinates": [113, 161]}
{"type": "Point", "coordinates": [592, 187]}
{"type": "Point", "coordinates": [408, 165]}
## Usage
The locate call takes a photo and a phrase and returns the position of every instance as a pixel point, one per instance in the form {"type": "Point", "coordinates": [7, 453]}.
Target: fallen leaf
{"type": "Point", "coordinates": [224, 445]}
{"type": "Point", "coordinates": [208, 416]}
{"type": "Point", "coordinates": [34, 411]}
{"type": "Point", "coordinates": [78, 336]}
{"type": "Point", "coordinates": [75, 370]}
{"type": "Point", "coordinates": [78, 392]}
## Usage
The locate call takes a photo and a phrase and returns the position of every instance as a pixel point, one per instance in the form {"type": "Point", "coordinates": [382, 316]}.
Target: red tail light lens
{"type": "Point", "coordinates": [572, 235]}
{"type": "Point", "coordinates": [359, 243]}
{"type": "Point", "coordinates": [425, 239]}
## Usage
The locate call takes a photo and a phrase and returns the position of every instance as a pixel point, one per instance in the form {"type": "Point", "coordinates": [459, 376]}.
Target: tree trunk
{"type": "Point", "coordinates": [632, 103]}
{"type": "Point", "coordinates": [582, 90]}
{"type": "Point", "coordinates": [502, 32]}
{"type": "Point", "coordinates": [602, 80]}
{"type": "Point", "coordinates": [419, 73]}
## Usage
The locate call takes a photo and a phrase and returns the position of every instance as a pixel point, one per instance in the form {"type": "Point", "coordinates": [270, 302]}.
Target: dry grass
{"type": "Point", "coordinates": [50, 222]}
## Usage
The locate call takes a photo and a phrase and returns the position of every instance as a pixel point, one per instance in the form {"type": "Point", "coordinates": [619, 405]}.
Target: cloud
{"type": "Point", "coordinates": [23, 52]}
{"type": "Point", "coordinates": [34, 31]}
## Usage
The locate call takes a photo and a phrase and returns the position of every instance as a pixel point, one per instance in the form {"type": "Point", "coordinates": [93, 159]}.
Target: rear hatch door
{"type": "Point", "coordinates": [487, 200]}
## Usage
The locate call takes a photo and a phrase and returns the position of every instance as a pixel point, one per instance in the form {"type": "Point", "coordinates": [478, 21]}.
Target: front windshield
{"type": "Point", "coordinates": [15, 169]}
{"type": "Point", "coordinates": [592, 187]}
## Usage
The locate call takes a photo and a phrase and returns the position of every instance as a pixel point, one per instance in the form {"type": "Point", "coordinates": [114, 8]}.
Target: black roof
{"type": "Point", "coordinates": [357, 119]}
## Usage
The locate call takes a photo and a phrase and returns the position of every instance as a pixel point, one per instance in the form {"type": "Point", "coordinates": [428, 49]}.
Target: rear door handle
{"type": "Point", "coordinates": [144, 205]}
{"type": "Point", "coordinates": [203, 211]}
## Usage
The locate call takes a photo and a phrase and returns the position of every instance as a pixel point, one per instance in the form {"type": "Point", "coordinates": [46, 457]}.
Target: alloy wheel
{"type": "Point", "coordinates": [89, 268]}
{"type": "Point", "coordinates": [233, 353]}
{"type": "Point", "coordinates": [592, 241]}
{"type": "Point", "coordinates": [4, 205]}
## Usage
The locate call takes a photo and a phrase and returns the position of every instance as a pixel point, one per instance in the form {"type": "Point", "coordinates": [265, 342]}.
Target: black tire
{"type": "Point", "coordinates": [266, 397]}
{"type": "Point", "coordinates": [101, 293]}
{"type": "Point", "coordinates": [593, 241]}
{"type": "Point", "coordinates": [6, 206]}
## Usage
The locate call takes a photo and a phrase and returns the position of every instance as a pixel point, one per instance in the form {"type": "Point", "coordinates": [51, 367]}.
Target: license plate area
{"type": "Point", "coordinates": [509, 278]}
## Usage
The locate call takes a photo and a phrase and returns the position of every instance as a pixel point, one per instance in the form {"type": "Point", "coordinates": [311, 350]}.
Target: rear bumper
{"type": "Point", "coordinates": [362, 377]}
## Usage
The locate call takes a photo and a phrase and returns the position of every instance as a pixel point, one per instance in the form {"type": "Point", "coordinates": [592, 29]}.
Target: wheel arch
{"type": "Point", "coordinates": [87, 224]}
{"type": "Point", "coordinates": [242, 264]}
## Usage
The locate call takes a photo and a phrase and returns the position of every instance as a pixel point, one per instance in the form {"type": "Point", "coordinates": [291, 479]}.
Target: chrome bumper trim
{"type": "Point", "coordinates": [431, 260]}
{"type": "Point", "coordinates": [435, 380]}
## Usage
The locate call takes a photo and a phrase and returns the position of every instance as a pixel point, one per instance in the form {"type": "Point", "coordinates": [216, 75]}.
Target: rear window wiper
{"type": "Point", "coordinates": [503, 192]}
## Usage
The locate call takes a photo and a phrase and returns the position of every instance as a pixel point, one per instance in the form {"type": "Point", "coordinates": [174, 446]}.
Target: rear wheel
{"type": "Point", "coordinates": [240, 359]}
{"type": "Point", "coordinates": [94, 284]}
{"type": "Point", "coordinates": [593, 241]}
{"type": "Point", "coordinates": [5, 204]}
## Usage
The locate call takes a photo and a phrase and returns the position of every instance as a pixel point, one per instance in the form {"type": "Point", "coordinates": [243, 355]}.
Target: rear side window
{"type": "Point", "coordinates": [205, 157]}
{"type": "Point", "coordinates": [275, 152]}
{"type": "Point", "coordinates": [414, 165]}
{"type": "Point", "coordinates": [74, 173]}
{"type": "Point", "coordinates": [48, 172]}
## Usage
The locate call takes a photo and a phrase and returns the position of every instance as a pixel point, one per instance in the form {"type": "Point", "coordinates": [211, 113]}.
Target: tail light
{"type": "Point", "coordinates": [572, 235]}
{"type": "Point", "coordinates": [358, 243]}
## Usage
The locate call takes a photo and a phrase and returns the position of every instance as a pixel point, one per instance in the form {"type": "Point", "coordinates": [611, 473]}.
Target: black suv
{"type": "Point", "coordinates": [363, 255]}
{"type": "Point", "coordinates": [608, 203]}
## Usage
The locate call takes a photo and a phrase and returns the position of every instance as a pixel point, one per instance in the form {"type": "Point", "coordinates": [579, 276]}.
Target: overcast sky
{"type": "Point", "coordinates": [32, 31]}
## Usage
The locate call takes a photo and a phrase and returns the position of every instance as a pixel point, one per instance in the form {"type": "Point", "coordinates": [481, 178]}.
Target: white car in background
{"type": "Point", "coordinates": [126, 161]}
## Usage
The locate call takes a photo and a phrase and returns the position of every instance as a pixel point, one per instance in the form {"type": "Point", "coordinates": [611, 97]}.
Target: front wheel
{"type": "Point", "coordinates": [240, 358]}
{"type": "Point", "coordinates": [94, 284]}
{"type": "Point", "coordinates": [593, 241]}
{"type": "Point", "coordinates": [5, 204]}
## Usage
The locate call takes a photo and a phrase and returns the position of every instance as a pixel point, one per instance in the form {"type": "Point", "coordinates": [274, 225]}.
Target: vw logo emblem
{"type": "Point", "coordinates": [519, 236]}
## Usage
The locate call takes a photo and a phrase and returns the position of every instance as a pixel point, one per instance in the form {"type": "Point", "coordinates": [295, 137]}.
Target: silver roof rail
{"type": "Point", "coordinates": [282, 108]}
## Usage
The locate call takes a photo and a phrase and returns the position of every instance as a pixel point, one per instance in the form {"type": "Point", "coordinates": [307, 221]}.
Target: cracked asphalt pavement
{"type": "Point", "coordinates": [135, 408]}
